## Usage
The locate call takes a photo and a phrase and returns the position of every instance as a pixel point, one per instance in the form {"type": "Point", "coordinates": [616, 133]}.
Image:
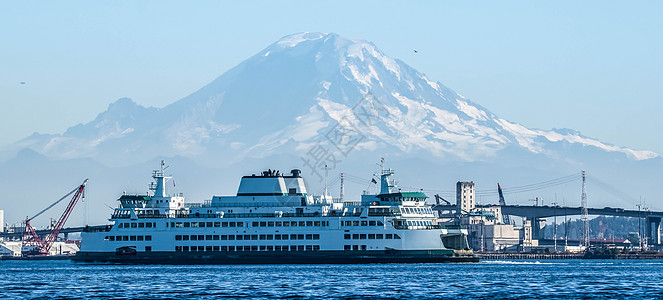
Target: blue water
{"type": "Point", "coordinates": [545, 279]}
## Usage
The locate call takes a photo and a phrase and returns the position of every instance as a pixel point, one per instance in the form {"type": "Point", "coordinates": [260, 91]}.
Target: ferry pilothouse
{"type": "Point", "coordinates": [273, 219]}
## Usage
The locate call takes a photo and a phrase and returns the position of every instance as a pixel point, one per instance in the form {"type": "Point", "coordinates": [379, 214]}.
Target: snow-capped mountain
{"type": "Point", "coordinates": [294, 92]}
{"type": "Point", "coordinates": [336, 100]}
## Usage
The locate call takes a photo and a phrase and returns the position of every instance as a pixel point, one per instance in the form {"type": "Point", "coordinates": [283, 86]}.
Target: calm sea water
{"type": "Point", "coordinates": [543, 279]}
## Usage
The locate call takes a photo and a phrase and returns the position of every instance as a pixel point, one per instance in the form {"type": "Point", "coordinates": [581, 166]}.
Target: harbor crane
{"type": "Point", "coordinates": [42, 247]}
{"type": "Point", "coordinates": [505, 218]}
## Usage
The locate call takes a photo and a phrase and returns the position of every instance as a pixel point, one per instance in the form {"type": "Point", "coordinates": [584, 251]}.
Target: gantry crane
{"type": "Point", "coordinates": [30, 237]}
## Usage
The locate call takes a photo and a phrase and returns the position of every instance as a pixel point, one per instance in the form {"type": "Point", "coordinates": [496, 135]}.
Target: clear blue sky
{"type": "Point", "coordinates": [594, 66]}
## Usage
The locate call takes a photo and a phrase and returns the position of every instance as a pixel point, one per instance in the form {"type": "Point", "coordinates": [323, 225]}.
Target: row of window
{"type": "Point", "coordinates": [419, 223]}
{"type": "Point", "coordinates": [248, 248]}
{"type": "Point", "coordinates": [354, 247]}
{"type": "Point", "coordinates": [371, 236]}
{"type": "Point", "coordinates": [416, 210]}
{"type": "Point", "coordinates": [247, 237]}
{"type": "Point", "coordinates": [362, 223]}
{"type": "Point", "coordinates": [137, 225]}
{"type": "Point", "coordinates": [124, 238]}
{"type": "Point", "coordinates": [290, 223]}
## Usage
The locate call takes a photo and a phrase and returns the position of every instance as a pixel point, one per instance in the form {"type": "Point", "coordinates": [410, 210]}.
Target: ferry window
{"type": "Point", "coordinates": [362, 236]}
{"type": "Point", "coordinates": [132, 238]}
{"type": "Point", "coordinates": [293, 248]}
{"type": "Point", "coordinates": [309, 223]}
{"type": "Point", "coordinates": [397, 237]}
{"type": "Point", "coordinates": [255, 224]}
{"type": "Point", "coordinates": [270, 237]}
{"type": "Point", "coordinates": [371, 223]}
{"type": "Point", "coordinates": [355, 247]}
{"type": "Point", "coordinates": [263, 237]}
{"type": "Point", "coordinates": [232, 238]}
{"type": "Point", "coordinates": [209, 224]}
{"type": "Point", "coordinates": [355, 236]}
{"type": "Point", "coordinates": [186, 224]}
{"type": "Point", "coordinates": [292, 191]}
{"type": "Point", "coordinates": [316, 247]}
{"type": "Point", "coordinates": [363, 247]}
{"type": "Point", "coordinates": [224, 237]}
{"type": "Point", "coordinates": [316, 223]}
{"type": "Point", "coordinates": [224, 248]}
{"type": "Point", "coordinates": [193, 224]}
{"type": "Point", "coordinates": [208, 237]}
{"type": "Point", "coordinates": [240, 224]}
{"type": "Point", "coordinates": [293, 223]}
{"type": "Point", "coordinates": [148, 248]}
{"type": "Point", "coordinates": [284, 236]}
{"type": "Point", "coordinates": [378, 236]}
{"type": "Point", "coordinates": [208, 248]}
{"type": "Point", "coordinates": [201, 224]}
{"type": "Point", "coordinates": [185, 248]}
{"type": "Point", "coordinates": [178, 224]}
{"type": "Point", "coordinates": [309, 236]}
{"type": "Point", "coordinates": [263, 224]}
{"type": "Point", "coordinates": [201, 237]}
{"type": "Point", "coordinates": [347, 247]}
{"type": "Point", "coordinates": [346, 236]}
{"type": "Point", "coordinates": [111, 238]}
{"type": "Point", "coordinates": [149, 225]}
{"type": "Point", "coordinates": [277, 248]}
{"type": "Point", "coordinates": [232, 224]}
{"type": "Point", "coordinates": [389, 236]}
{"type": "Point", "coordinates": [293, 236]}
{"type": "Point", "coordinates": [309, 247]}
{"type": "Point", "coordinates": [316, 236]}
{"type": "Point", "coordinates": [133, 225]}
{"type": "Point", "coordinates": [201, 248]}
{"type": "Point", "coordinates": [371, 236]}
{"type": "Point", "coordinates": [172, 224]}
{"type": "Point", "coordinates": [194, 237]}
{"type": "Point", "coordinates": [231, 248]}
{"type": "Point", "coordinates": [302, 223]}
{"type": "Point", "coordinates": [300, 236]}
{"type": "Point", "coordinates": [263, 248]}
{"type": "Point", "coordinates": [286, 224]}
{"type": "Point", "coordinates": [178, 248]}
{"type": "Point", "coordinates": [140, 238]}
{"type": "Point", "coordinates": [270, 248]}
{"type": "Point", "coordinates": [364, 223]}
{"type": "Point", "coordinates": [224, 224]}
{"type": "Point", "coordinates": [178, 237]}
{"type": "Point", "coordinates": [277, 223]}
{"type": "Point", "coordinates": [380, 223]}
{"type": "Point", "coordinates": [347, 223]}
{"type": "Point", "coordinates": [141, 225]}
{"type": "Point", "coordinates": [270, 224]}
{"type": "Point", "coordinates": [250, 237]}
{"type": "Point", "coordinates": [355, 223]}
{"type": "Point", "coordinates": [185, 237]}
{"type": "Point", "coordinates": [216, 237]}
{"type": "Point", "coordinates": [409, 223]}
{"type": "Point", "coordinates": [300, 248]}
{"type": "Point", "coordinates": [254, 248]}
{"type": "Point", "coordinates": [217, 224]}
{"type": "Point", "coordinates": [216, 248]}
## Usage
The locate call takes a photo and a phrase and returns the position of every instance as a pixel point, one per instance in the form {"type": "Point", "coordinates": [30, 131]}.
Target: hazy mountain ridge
{"type": "Point", "coordinates": [277, 106]}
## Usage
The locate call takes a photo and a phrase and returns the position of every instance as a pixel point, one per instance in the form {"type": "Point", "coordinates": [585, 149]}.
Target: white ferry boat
{"type": "Point", "coordinates": [274, 219]}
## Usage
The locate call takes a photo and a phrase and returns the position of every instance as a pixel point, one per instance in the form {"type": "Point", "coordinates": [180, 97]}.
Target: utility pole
{"type": "Point", "coordinates": [555, 223]}
{"type": "Point", "coordinates": [639, 205]}
{"type": "Point", "coordinates": [585, 214]}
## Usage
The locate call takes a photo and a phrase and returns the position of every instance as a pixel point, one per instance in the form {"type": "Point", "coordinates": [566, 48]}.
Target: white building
{"type": "Point", "coordinates": [465, 199]}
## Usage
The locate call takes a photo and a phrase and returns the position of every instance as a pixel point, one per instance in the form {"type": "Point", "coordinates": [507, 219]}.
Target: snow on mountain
{"type": "Point", "coordinates": [290, 95]}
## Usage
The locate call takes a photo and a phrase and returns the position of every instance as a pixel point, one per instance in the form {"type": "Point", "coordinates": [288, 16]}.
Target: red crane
{"type": "Point", "coordinates": [30, 237]}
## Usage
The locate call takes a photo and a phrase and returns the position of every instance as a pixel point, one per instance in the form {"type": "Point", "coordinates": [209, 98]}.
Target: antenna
{"type": "Point", "coordinates": [326, 169]}
{"type": "Point", "coordinates": [342, 186]}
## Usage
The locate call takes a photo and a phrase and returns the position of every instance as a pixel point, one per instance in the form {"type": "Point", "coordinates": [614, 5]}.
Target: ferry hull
{"type": "Point", "coordinates": [303, 257]}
